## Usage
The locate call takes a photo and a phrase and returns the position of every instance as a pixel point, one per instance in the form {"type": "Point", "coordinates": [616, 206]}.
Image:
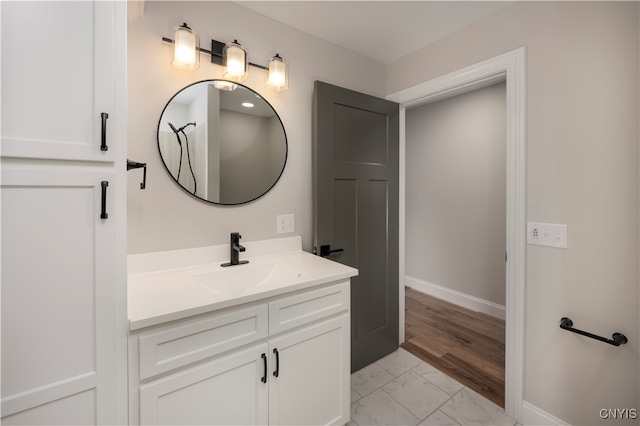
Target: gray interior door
{"type": "Point", "coordinates": [356, 209]}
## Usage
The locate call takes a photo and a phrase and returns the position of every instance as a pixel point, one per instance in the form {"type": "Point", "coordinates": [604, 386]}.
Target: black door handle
{"type": "Point", "coordinates": [264, 359]}
{"type": "Point", "coordinates": [326, 250]}
{"type": "Point", "coordinates": [103, 146]}
{"type": "Point", "coordinates": [276, 373]}
{"type": "Point", "coordinates": [103, 214]}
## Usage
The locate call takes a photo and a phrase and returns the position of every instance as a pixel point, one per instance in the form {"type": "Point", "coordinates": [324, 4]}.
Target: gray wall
{"type": "Point", "coordinates": [241, 133]}
{"type": "Point", "coordinates": [456, 193]}
{"type": "Point", "coordinates": [582, 109]}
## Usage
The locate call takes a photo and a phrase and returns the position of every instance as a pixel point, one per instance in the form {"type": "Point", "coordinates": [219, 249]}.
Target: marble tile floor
{"type": "Point", "coordinates": [401, 389]}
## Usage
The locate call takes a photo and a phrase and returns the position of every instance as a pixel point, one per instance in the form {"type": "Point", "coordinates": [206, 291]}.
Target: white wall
{"type": "Point", "coordinates": [163, 216]}
{"type": "Point", "coordinates": [456, 193]}
{"type": "Point", "coordinates": [582, 169]}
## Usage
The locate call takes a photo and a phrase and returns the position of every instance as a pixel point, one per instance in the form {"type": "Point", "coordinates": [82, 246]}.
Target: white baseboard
{"type": "Point", "coordinates": [470, 302]}
{"type": "Point", "coordinates": [534, 416]}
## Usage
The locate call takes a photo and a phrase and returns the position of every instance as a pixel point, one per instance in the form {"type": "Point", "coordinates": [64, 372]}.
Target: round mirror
{"type": "Point", "coordinates": [222, 142]}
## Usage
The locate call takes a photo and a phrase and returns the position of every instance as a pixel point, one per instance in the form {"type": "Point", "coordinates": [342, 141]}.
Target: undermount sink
{"type": "Point", "coordinates": [175, 284]}
{"type": "Point", "coordinates": [247, 276]}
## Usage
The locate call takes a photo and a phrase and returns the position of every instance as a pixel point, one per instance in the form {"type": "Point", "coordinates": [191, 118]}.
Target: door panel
{"type": "Point", "coordinates": [57, 114]}
{"type": "Point", "coordinates": [75, 409]}
{"type": "Point", "coordinates": [57, 263]}
{"type": "Point", "coordinates": [379, 249]}
{"type": "Point", "coordinates": [356, 177]}
{"type": "Point", "coordinates": [227, 390]}
{"type": "Point", "coordinates": [310, 387]}
{"type": "Point", "coordinates": [362, 136]}
{"type": "Point", "coordinates": [346, 220]}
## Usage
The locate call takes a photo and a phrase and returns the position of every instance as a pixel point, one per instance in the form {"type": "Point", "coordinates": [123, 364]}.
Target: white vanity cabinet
{"type": "Point", "coordinates": [282, 360]}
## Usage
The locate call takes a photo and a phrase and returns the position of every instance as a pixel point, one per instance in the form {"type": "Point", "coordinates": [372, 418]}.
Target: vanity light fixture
{"type": "Point", "coordinates": [230, 55]}
{"type": "Point", "coordinates": [185, 51]}
{"type": "Point", "coordinates": [235, 61]}
{"type": "Point", "coordinates": [278, 76]}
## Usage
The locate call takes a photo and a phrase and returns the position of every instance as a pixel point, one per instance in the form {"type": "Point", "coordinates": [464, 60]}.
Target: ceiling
{"type": "Point", "coordinates": [381, 30]}
{"type": "Point", "coordinates": [229, 100]}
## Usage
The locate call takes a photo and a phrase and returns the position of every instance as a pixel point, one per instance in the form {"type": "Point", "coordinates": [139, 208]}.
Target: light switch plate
{"type": "Point", "coordinates": [286, 223]}
{"type": "Point", "coordinates": [547, 234]}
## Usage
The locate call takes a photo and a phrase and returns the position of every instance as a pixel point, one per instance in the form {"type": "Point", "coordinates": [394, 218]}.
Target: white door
{"type": "Point", "coordinates": [228, 390]}
{"type": "Point", "coordinates": [58, 78]}
{"type": "Point", "coordinates": [309, 379]}
{"type": "Point", "coordinates": [58, 275]}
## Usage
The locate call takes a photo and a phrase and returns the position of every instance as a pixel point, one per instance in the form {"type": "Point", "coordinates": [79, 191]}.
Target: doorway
{"type": "Point", "coordinates": [466, 345]}
{"type": "Point", "coordinates": [456, 236]}
{"type": "Point", "coordinates": [510, 67]}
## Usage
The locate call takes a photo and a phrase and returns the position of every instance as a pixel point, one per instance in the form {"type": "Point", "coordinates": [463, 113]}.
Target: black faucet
{"type": "Point", "coordinates": [236, 248]}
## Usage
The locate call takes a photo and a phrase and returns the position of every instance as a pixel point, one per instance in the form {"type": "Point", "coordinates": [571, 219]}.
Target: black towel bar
{"type": "Point", "coordinates": [616, 340]}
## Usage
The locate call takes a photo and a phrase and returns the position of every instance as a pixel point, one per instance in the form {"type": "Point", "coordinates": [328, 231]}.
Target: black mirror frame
{"type": "Point", "coordinates": [286, 141]}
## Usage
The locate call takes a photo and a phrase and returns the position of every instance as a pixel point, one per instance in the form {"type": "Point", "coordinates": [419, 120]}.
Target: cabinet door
{"type": "Point", "coordinates": [58, 297]}
{"type": "Point", "coordinates": [228, 390]}
{"type": "Point", "coordinates": [312, 365]}
{"type": "Point", "coordinates": [58, 77]}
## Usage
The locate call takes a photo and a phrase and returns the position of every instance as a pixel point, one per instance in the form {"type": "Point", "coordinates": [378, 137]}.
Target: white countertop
{"type": "Point", "coordinates": [163, 286]}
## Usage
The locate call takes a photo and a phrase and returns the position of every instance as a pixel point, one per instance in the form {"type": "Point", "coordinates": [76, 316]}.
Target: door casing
{"type": "Point", "coordinates": [509, 67]}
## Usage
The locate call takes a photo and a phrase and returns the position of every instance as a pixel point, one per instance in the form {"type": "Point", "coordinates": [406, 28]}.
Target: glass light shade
{"type": "Point", "coordinates": [225, 85]}
{"type": "Point", "coordinates": [185, 52]}
{"type": "Point", "coordinates": [236, 61]}
{"type": "Point", "coordinates": [278, 74]}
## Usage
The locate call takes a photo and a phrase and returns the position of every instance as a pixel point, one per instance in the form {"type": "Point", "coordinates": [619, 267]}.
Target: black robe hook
{"type": "Point", "coordinates": [136, 165]}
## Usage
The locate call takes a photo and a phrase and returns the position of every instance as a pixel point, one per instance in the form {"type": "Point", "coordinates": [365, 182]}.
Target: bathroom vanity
{"type": "Point", "coordinates": [266, 342]}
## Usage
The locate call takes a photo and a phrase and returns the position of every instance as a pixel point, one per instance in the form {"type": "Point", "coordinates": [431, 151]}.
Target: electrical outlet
{"type": "Point", "coordinates": [547, 234]}
{"type": "Point", "coordinates": [286, 223]}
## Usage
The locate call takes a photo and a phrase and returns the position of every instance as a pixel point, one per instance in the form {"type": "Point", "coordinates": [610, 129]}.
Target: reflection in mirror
{"type": "Point", "coordinates": [222, 142]}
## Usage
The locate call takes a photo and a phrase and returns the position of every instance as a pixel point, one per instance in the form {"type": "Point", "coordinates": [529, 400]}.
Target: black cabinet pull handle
{"type": "Point", "coordinates": [264, 359]}
{"type": "Point", "coordinates": [277, 372]}
{"type": "Point", "coordinates": [326, 250]}
{"type": "Point", "coordinates": [103, 214]}
{"type": "Point", "coordinates": [103, 146]}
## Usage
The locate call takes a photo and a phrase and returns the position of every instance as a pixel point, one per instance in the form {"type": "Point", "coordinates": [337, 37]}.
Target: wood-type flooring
{"type": "Point", "coordinates": [466, 345]}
